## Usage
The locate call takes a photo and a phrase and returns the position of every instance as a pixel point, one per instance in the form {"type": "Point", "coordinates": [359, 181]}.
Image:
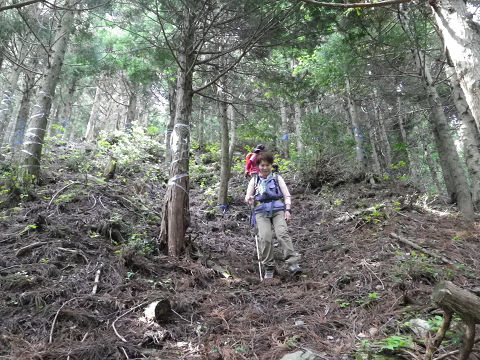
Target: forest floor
{"type": "Point", "coordinates": [79, 264]}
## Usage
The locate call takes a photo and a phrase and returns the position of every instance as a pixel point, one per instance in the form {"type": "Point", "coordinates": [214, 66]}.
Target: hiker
{"type": "Point", "coordinates": [251, 166]}
{"type": "Point", "coordinates": [271, 201]}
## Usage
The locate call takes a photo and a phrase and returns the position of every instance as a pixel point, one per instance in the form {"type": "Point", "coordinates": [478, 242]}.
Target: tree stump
{"type": "Point", "coordinates": [452, 299]}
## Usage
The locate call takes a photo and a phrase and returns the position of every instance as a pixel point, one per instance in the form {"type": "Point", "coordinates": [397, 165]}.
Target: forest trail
{"type": "Point", "coordinates": [78, 266]}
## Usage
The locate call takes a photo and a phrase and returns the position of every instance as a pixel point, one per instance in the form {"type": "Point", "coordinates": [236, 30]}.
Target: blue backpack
{"type": "Point", "coordinates": [268, 196]}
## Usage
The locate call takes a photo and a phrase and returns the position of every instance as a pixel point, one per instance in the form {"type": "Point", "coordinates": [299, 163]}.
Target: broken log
{"type": "Point", "coordinates": [452, 299]}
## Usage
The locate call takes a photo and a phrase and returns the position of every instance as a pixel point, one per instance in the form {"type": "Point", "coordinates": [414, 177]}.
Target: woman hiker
{"type": "Point", "coordinates": [272, 206]}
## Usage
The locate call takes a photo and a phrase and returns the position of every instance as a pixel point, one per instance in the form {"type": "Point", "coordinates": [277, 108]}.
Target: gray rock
{"type": "Point", "coordinates": [302, 355]}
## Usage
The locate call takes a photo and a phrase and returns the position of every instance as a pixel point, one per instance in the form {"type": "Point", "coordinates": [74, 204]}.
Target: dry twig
{"type": "Point", "coordinates": [121, 316]}
{"type": "Point", "coordinates": [59, 191]}
{"type": "Point", "coordinates": [24, 249]}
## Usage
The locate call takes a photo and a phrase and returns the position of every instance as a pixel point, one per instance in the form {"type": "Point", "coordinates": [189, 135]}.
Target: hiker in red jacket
{"type": "Point", "coordinates": [251, 166]}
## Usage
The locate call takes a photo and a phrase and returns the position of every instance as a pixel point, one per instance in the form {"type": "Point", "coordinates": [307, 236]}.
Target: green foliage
{"type": "Point", "coordinates": [395, 342]}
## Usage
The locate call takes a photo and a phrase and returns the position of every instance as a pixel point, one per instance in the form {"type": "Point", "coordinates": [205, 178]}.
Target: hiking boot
{"type": "Point", "coordinates": [295, 269]}
{"type": "Point", "coordinates": [269, 273]}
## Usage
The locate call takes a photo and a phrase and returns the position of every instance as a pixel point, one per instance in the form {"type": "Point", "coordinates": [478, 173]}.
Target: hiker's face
{"type": "Point", "coordinates": [265, 168]}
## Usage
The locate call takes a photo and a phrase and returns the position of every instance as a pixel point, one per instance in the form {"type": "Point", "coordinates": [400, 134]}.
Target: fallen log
{"type": "Point", "coordinates": [422, 249]}
{"type": "Point", "coordinates": [454, 300]}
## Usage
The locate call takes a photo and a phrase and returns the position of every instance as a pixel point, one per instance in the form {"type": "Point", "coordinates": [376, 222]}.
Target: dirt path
{"type": "Point", "coordinates": [360, 285]}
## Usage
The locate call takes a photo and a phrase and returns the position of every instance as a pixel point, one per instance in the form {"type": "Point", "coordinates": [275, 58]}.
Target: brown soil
{"type": "Point", "coordinates": [359, 285]}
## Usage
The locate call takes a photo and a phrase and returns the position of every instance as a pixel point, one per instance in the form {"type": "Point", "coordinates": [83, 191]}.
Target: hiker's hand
{"type": "Point", "coordinates": [288, 216]}
{"type": "Point", "coordinates": [249, 199]}
{"type": "Point", "coordinates": [247, 175]}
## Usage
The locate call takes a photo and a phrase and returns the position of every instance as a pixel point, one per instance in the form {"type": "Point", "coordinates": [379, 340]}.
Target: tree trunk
{"type": "Point", "coordinates": [225, 163]}
{"type": "Point", "coordinates": [233, 133]}
{"type": "Point", "coordinates": [92, 126]}
{"type": "Point", "coordinates": [383, 132]}
{"type": "Point", "coordinates": [449, 159]}
{"type": "Point", "coordinates": [354, 118]}
{"type": "Point", "coordinates": [401, 123]}
{"type": "Point", "coordinates": [6, 104]}
{"type": "Point", "coordinates": [176, 217]}
{"type": "Point", "coordinates": [285, 135]}
{"type": "Point", "coordinates": [461, 36]}
{"type": "Point", "coordinates": [298, 127]}
{"type": "Point", "coordinates": [469, 134]}
{"type": "Point", "coordinates": [66, 114]}
{"type": "Point", "coordinates": [377, 169]}
{"type": "Point", "coordinates": [38, 123]}
{"type": "Point", "coordinates": [427, 155]}
{"type": "Point", "coordinates": [132, 107]}
{"type": "Point", "coordinates": [23, 112]}
{"type": "Point", "coordinates": [170, 123]}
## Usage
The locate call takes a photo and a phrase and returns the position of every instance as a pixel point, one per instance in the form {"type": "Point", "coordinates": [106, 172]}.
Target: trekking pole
{"type": "Point", "coordinates": [256, 243]}
{"type": "Point", "coordinates": [258, 257]}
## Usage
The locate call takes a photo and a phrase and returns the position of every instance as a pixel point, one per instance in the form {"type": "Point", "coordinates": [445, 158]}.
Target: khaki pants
{"type": "Point", "coordinates": [265, 242]}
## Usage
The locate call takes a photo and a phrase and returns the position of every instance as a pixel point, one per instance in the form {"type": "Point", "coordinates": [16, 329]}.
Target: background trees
{"type": "Point", "coordinates": [370, 89]}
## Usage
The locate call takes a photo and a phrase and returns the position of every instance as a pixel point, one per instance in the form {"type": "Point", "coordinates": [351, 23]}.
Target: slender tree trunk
{"type": "Point", "coordinates": [233, 133]}
{"type": "Point", "coordinates": [132, 107]}
{"type": "Point", "coordinates": [23, 112]}
{"type": "Point", "coordinates": [285, 135]}
{"type": "Point", "coordinates": [176, 214]}
{"type": "Point", "coordinates": [93, 121]}
{"type": "Point", "coordinates": [6, 104]}
{"type": "Point", "coordinates": [298, 127]}
{"type": "Point", "coordinates": [354, 118]}
{"type": "Point", "coordinates": [225, 163]}
{"type": "Point", "coordinates": [66, 115]}
{"type": "Point", "coordinates": [383, 132]}
{"type": "Point", "coordinates": [412, 166]}
{"type": "Point", "coordinates": [469, 133]}
{"type": "Point", "coordinates": [38, 123]}
{"type": "Point", "coordinates": [377, 168]}
{"type": "Point", "coordinates": [170, 123]}
{"type": "Point", "coordinates": [461, 36]}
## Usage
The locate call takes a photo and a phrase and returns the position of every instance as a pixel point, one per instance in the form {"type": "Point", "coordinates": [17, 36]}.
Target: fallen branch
{"type": "Point", "coordinates": [29, 247]}
{"type": "Point", "coordinates": [59, 191]}
{"type": "Point", "coordinates": [50, 340]}
{"type": "Point", "coordinates": [76, 252]}
{"type": "Point", "coordinates": [422, 249]}
{"type": "Point", "coordinates": [121, 316]}
{"type": "Point", "coordinates": [97, 280]}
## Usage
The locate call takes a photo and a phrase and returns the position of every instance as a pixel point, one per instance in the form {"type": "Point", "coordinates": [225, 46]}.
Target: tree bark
{"type": "Point", "coordinates": [461, 36]}
{"type": "Point", "coordinates": [383, 131]}
{"type": "Point", "coordinates": [224, 140]}
{"type": "Point", "coordinates": [23, 112]}
{"type": "Point", "coordinates": [92, 126]}
{"type": "Point", "coordinates": [469, 134]}
{"type": "Point", "coordinates": [66, 114]}
{"type": "Point", "coordinates": [376, 162]}
{"type": "Point", "coordinates": [285, 135]}
{"type": "Point", "coordinates": [233, 133]}
{"type": "Point", "coordinates": [132, 107]}
{"type": "Point", "coordinates": [355, 120]}
{"type": "Point", "coordinates": [6, 104]}
{"type": "Point", "coordinates": [403, 133]}
{"type": "Point", "coordinates": [170, 122]}
{"type": "Point", "coordinates": [176, 214]}
{"type": "Point", "coordinates": [449, 159]}
{"type": "Point", "coordinates": [298, 127]}
{"type": "Point", "coordinates": [38, 122]}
